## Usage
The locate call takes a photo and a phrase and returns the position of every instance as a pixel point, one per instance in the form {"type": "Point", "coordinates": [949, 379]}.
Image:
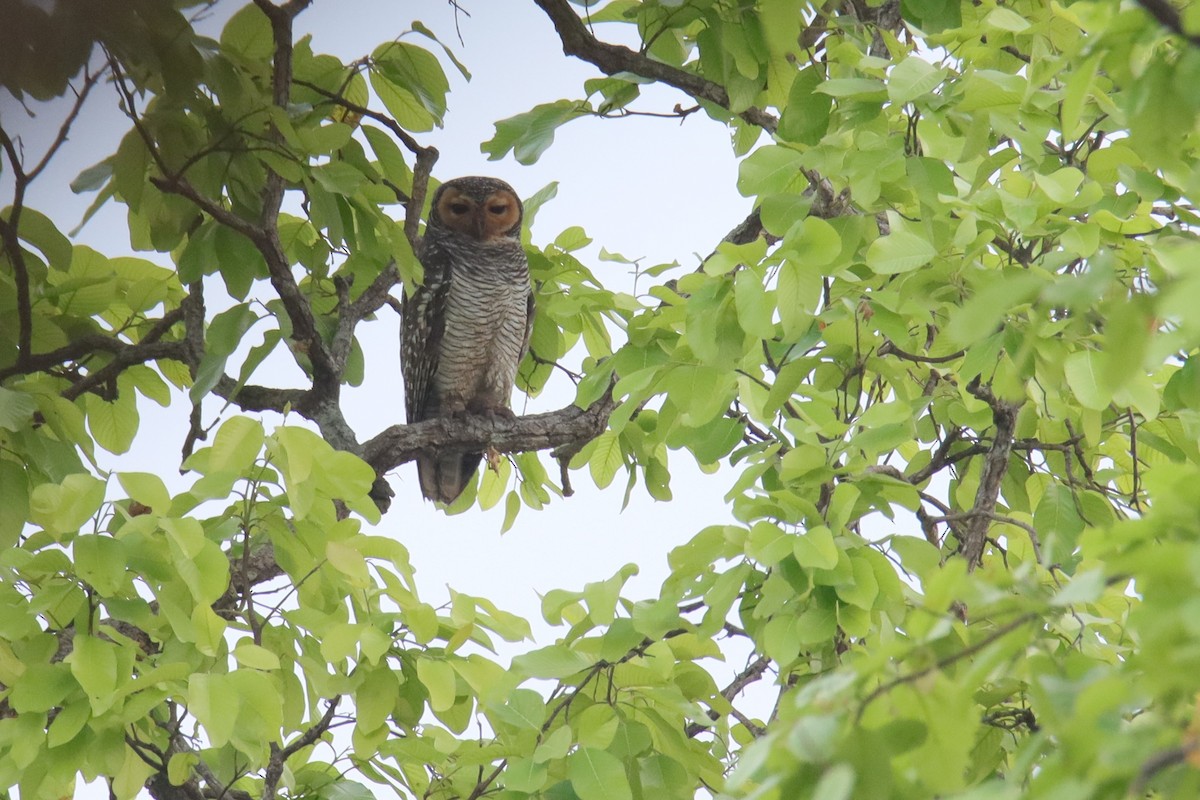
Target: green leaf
{"type": "Point", "coordinates": [798, 293]}
{"type": "Point", "coordinates": [93, 177]}
{"type": "Point", "coordinates": [179, 768]}
{"type": "Point", "coordinates": [780, 212]}
{"type": "Point", "coordinates": [525, 775]}
{"type": "Point", "coordinates": [66, 506]}
{"type": "Point", "coordinates": [528, 135]}
{"type": "Point", "coordinates": [1082, 369]}
{"type": "Point", "coordinates": [1004, 19]}
{"type": "Point", "coordinates": [16, 409]}
{"type": "Point", "coordinates": [837, 783]}
{"type": "Point", "coordinates": [209, 631]}
{"type": "Point", "coordinates": [237, 444]}
{"type": "Point", "coordinates": [769, 170]}
{"type": "Point", "coordinates": [255, 656]}
{"type": "Point", "coordinates": [1058, 523]}
{"type": "Point", "coordinates": [94, 664]}
{"type": "Point", "coordinates": [861, 88]}
{"type": "Point", "coordinates": [912, 78]}
{"type": "Point", "coordinates": [806, 117]}
{"type": "Point", "coordinates": [525, 708]}
{"type": "Point", "coordinates": [815, 548]}
{"type": "Point", "coordinates": [980, 316]}
{"type": "Point", "coordinates": [768, 543]}
{"type": "Point", "coordinates": [597, 775]}
{"type": "Point", "coordinates": [38, 230]}
{"type": "Point", "coordinates": [421, 29]}
{"type": "Point", "coordinates": [391, 159]}
{"type": "Point", "coordinates": [14, 502]}
{"type": "Point", "coordinates": [223, 336]}
{"type": "Point", "coordinates": [554, 661]}
{"type": "Point", "coordinates": [900, 251]}
{"type": "Point", "coordinates": [69, 722]}
{"type": "Point", "coordinates": [101, 561]}
{"type": "Point", "coordinates": [606, 459]}
{"type": "Point", "coordinates": [113, 423]}
{"type": "Point", "coordinates": [346, 559]}
{"type": "Point", "coordinates": [248, 34]}
{"type": "Point", "coordinates": [416, 71]}
{"type": "Point", "coordinates": [439, 680]}
{"type": "Point", "coordinates": [213, 700]}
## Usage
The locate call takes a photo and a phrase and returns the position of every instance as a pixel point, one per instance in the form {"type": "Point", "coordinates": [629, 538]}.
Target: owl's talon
{"type": "Point", "coordinates": [492, 457]}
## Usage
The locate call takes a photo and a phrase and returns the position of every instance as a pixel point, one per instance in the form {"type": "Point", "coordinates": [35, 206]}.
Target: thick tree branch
{"type": "Point", "coordinates": [578, 41]}
{"type": "Point", "coordinates": [126, 357]}
{"type": "Point", "coordinates": [567, 426]}
{"type": "Point", "coordinates": [995, 464]}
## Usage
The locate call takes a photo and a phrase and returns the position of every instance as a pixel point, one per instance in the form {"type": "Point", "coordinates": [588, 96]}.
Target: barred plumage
{"type": "Point", "coordinates": [466, 329]}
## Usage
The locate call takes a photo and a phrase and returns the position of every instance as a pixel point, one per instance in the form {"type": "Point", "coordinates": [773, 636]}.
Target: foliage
{"type": "Point", "coordinates": [949, 365]}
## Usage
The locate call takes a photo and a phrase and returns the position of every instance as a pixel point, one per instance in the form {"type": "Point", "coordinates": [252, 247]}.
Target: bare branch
{"type": "Point", "coordinates": [571, 425]}
{"type": "Point", "coordinates": [994, 517]}
{"type": "Point", "coordinates": [89, 81]}
{"type": "Point", "coordinates": [1004, 417]}
{"type": "Point", "coordinates": [749, 675]}
{"type": "Point", "coordinates": [889, 348]}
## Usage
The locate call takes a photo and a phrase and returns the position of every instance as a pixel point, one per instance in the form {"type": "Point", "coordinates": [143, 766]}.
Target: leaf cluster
{"type": "Point", "coordinates": [947, 370]}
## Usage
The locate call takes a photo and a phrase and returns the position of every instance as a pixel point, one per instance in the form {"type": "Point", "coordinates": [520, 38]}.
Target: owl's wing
{"type": "Point", "coordinates": [422, 326]}
{"type": "Point", "coordinates": [530, 307]}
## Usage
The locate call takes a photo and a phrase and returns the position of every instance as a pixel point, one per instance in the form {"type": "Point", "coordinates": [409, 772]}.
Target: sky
{"type": "Point", "coordinates": [648, 188]}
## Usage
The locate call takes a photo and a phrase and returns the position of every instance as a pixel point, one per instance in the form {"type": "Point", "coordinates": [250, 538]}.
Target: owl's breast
{"type": "Point", "coordinates": [486, 317]}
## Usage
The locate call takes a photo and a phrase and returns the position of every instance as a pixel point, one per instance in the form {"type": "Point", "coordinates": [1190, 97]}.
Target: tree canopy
{"type": "Point", "coordinates": [947, 370]}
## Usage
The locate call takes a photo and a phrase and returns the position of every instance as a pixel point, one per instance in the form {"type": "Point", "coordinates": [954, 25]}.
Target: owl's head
{"type": "Point", "coordinates": [484, 209]}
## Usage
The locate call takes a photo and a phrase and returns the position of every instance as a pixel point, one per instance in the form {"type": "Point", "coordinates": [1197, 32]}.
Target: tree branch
{"type": "Point", "coordinates": [968, 651]}
{"type": "Point", "coordinates": [611, 59]}
{"type": "Point", "coordinates": [1168, 16]}
{"type": "Point", "coordinates": [280, 755]}
{"type": "Point", "coordinates": [567, 426]}
{"type": "Point", "coordinates": [995, 464]}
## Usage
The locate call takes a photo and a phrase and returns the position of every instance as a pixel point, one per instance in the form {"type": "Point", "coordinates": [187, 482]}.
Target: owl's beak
{"type": "Point", "coordinates": [480, 225]}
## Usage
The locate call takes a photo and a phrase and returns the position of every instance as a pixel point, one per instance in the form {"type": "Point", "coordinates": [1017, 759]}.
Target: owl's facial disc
{"type": "Point", "coordinates": [494, 218]}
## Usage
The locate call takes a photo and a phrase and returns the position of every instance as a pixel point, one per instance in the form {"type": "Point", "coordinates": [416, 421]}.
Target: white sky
{"type": "Point", "coordinates": [644, 187]}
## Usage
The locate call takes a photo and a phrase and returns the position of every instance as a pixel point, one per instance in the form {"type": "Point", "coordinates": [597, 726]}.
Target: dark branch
{"type": "Point", "coordinates": [563, 428]}
{"type": "Point", "coordinates": [889, 348]}
{"type": "Point", "coordinates": [611, 59]}
{"type": "Point", "coordinates": [1168, 16]}
{"type": "Point", "coordinates": [995, 465]}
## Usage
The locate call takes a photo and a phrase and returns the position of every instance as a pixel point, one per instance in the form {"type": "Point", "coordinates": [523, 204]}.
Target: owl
{"type": "Point", "coordinates": [465, 330]}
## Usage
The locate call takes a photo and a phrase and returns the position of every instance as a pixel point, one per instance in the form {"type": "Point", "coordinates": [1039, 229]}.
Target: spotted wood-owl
{"type": "Point", "coordinates": [466, 329]}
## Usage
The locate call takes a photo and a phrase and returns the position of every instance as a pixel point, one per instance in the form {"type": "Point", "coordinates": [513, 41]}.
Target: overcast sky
{"type": "Point", "coordinates": [648, 188]}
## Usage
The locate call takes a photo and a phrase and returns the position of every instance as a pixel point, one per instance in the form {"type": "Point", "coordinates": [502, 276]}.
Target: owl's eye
{"type": "Point", "coordinates": [459, 208]}
{"type": "Point", "coordinates": [497, 210]}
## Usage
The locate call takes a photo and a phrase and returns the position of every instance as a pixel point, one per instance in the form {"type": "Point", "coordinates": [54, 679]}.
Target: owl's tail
{"type": "Point", "coordinates": [443, 477]}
